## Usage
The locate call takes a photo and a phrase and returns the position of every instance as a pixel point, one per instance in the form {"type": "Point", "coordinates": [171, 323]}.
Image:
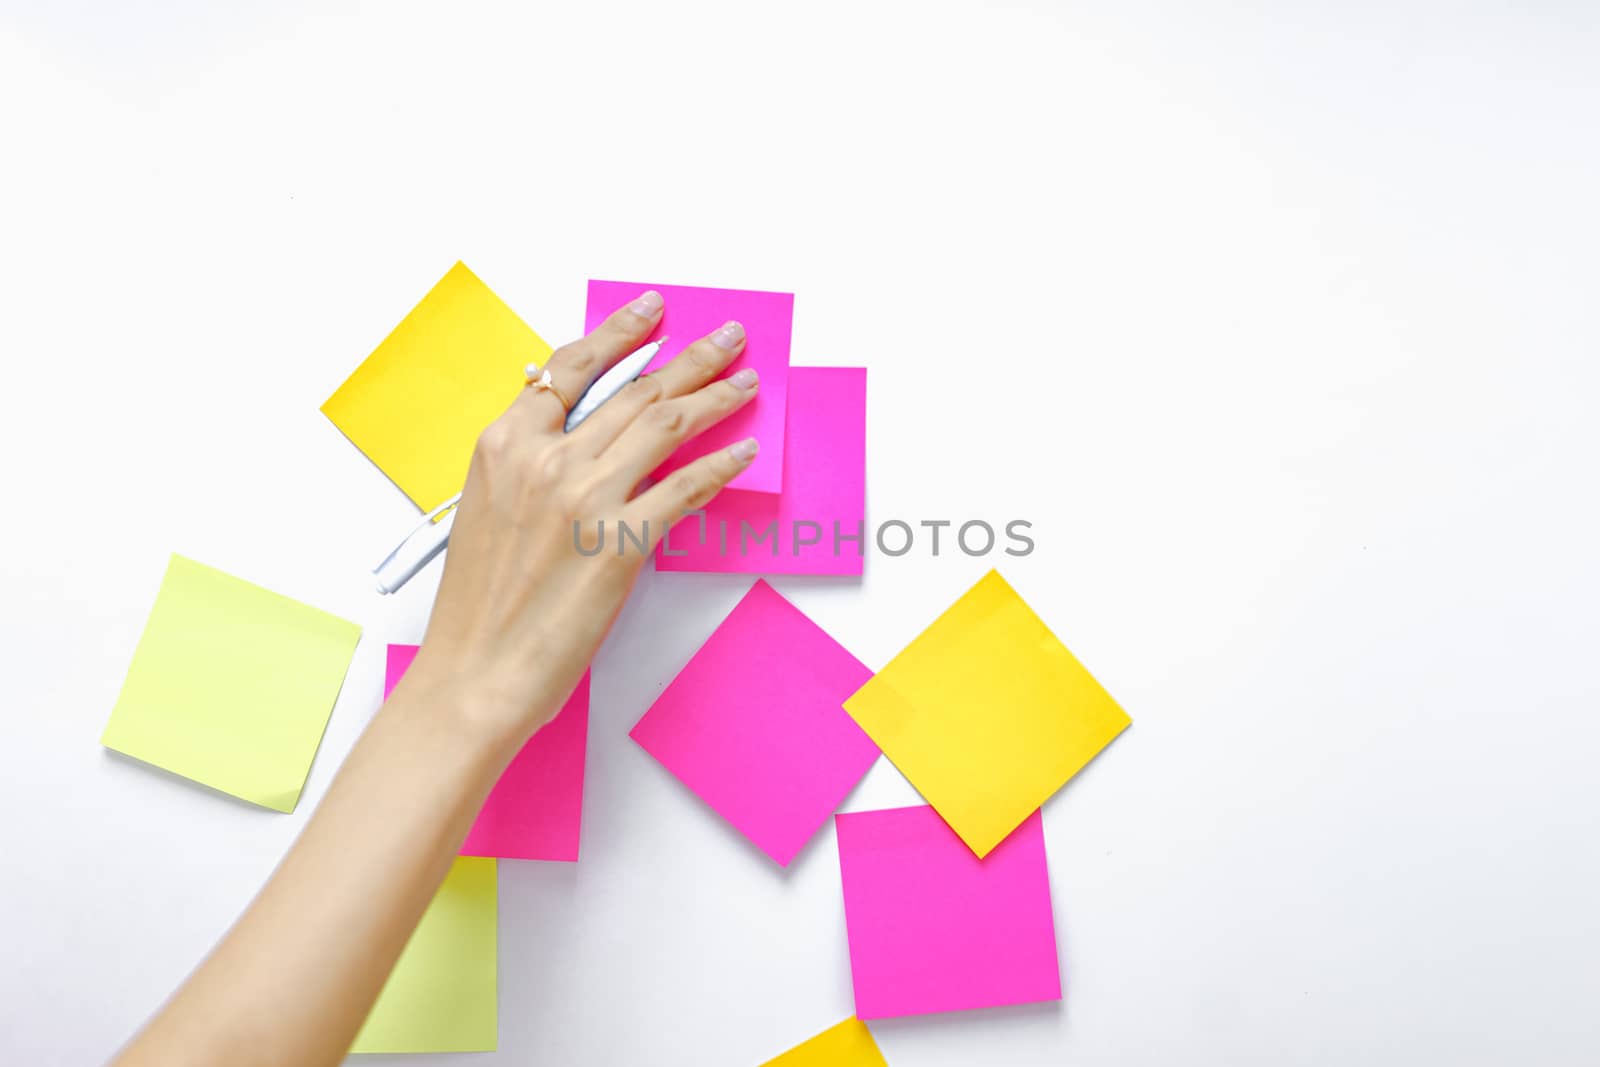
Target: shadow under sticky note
{"type": "Point", "coordinates": [987, 713]}
{"type": "Point", "coordinates": [231, 685]}
{"type": "Point", "coordinates": [535, 810]}
{"type": "Point", "coordinates": [817, 524]}
{"type": "Point", "coordinates": [934, 928]}
{"type": "Point", "coordinates": [690, 312]}
{"type": "Point", "coordinates": [417, 404]}
{"type": "Point", "coordinates": [848, 1044]}
{"type": "Point", "coordinates": [441, 995]}
{"type": "Point", "coordinates": [755, 726]}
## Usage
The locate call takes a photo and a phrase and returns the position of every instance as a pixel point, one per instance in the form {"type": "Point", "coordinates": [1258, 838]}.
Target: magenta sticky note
{"type": "Point", "coordinates": [755, 724]}
{"type": "Point", "coordinates": [817, 525]}
{"type": "Point", "coordinates": [934, 928]}
{"type": "Point", "coordinates": [535, 810]}
{"type": "Point", "coordinates": [692, 312]}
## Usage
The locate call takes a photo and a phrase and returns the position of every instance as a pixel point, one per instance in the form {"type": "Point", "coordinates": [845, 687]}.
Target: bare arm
{"type": "Point", "coordinates": [519, 615]}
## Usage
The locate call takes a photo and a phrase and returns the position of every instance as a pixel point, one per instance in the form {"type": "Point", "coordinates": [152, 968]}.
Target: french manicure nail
{"type": "Point", "coordinates": [648, 305]}
{"type": "Point", "coordinates": [745, 379]}
{"type": "Point", "coordinates": [745, 450]}
{"type": "Point", "coordinates": [728, 335]}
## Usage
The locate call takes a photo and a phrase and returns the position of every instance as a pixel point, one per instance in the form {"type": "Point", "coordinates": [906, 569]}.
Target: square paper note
{"type": "Point", "coordinates": [849, 1044]}
{"type": "Point", "coordinates": [535, 810]}
{"type": "Point", "coordinates": [754, 723]}
{"type": "Point", "coordinates": [987, 713]}
{"type": "Point", "coordinates": [417, 404]}
{"type": "Point", "coordinates": [824, 492]}
{"type": "Point", "coordinates": [441, 995]}
{"type": "Point", "coordinates": [231, 685]}
{"type": "Point", "coordinates": [691, 313]}
{"type": "Point", "coordinates": [934, 928]}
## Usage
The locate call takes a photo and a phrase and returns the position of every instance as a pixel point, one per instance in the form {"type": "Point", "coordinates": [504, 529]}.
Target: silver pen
{"type": "Point", "coordinates": [433, 533]}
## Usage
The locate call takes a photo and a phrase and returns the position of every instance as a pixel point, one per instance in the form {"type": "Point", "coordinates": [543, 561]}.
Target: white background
{"type": "Point", "coordinates": [1278, 321]}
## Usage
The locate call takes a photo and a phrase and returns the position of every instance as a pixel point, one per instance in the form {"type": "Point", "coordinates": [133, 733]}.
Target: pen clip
{"type": "Point", "coordinates": [427, 520]}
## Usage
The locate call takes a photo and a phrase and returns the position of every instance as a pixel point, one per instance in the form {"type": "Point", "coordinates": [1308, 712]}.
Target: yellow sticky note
{"type": "Point", "coordinates": [417, 404]}
{"type": "Point", "coordinates": [987, 713]}
{"type": "Point", "coordinates": [441, 995]}
{"type": "Point", "coordinates": [849, 1044]}
{"type": "Point", "coordinates": [231, 685]}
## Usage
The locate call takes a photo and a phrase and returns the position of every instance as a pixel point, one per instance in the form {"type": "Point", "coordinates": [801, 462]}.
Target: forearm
{"type": "Point", "coordinates": [293, 981]}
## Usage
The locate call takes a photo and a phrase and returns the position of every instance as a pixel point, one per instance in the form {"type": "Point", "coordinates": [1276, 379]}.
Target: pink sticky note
{"type": "Point", "coordinates": [934, 928]}
{"type": "Point", "coordinates": [535, 810]}
{"type": "Point", "coordinates": [690, 314]}
{"type": "Point", "coordinates": [755, 724]}
{"type": "Point", "coordinates": [824, 493]}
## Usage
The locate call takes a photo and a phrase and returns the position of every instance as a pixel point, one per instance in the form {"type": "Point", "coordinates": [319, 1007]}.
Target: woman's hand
{"type": "Point", "coordinates": [519, 614]}
{"type": "Point", "coordinates": [521, 611]}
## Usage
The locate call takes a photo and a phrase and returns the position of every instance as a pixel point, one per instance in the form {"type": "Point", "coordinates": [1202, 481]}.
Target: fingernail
{"type": "Point", "coordinates": [745, 379]}
{"type": "Point", "coordinates": [745, 449]}
{"type": "Point", "coordinates": [728, 335]}
{"type": "Point", "coordinates": [648, 306]}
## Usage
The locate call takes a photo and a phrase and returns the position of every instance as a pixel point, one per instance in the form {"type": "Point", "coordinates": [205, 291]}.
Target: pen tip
{"type": "Point", "coordinates": [659, 341]}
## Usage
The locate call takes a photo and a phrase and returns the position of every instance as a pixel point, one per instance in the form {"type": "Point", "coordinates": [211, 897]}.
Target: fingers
{"type": "Point", "coordinates": [689, 370]}
{"type": "Point", "coordinates": [665, 424]}
{"type": "Point", "coordinates": [689, 488]}
{"type": "Point", "coordinates": [702, 361]}
{"type": "Point", "coordinates": [601, 429]}
{"type": "Point", "coordinates": [574, 367]}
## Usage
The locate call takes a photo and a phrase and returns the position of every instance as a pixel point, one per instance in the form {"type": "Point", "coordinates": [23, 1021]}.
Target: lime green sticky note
{"type": "Point", "coordinates": [441, 995]}
{"type": "Point", "coordinates": [231, 685]}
